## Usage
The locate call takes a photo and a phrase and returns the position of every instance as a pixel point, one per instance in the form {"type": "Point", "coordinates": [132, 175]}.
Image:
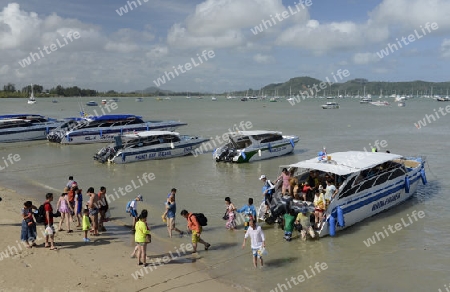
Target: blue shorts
{"type": "Point", "coordinates": [133, 213]}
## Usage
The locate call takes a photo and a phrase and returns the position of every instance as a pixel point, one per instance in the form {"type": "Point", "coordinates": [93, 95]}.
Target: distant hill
{"type": "Point", "coordinates": [154, 89]}
{"type": "Point", "coordinates": [352, 87]}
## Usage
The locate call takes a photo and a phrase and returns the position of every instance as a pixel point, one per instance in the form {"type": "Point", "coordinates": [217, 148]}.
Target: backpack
{"type": "Point", "coordinates": [128, 209]}
{"type": "Point", "coordinates": [201, 219]}
{"type": "Point", "coordinates": [40, 215]}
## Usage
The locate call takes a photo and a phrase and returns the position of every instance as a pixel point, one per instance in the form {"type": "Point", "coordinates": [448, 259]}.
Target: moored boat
{"type": "Point", "coordinates": [330, 105]}
{"type": "Point", "coordinates": [248, 146]}
{"type": "Point", "coordinates": [379, 103]}
{"type": "Point", "coordinates": [367, 99]}
{"type": "Point", "coordinates": [31, 99]}
{"type": "Point", "coordinates": [367, 183]}
{"type": "Point", "coordinates": [148, 145]}
{"type": "Point", "coordinates": [25, 127]}
{"type": "Point", "coordinates": [104, 128]}
{"type": "Point", "coordinates": [91, 103]}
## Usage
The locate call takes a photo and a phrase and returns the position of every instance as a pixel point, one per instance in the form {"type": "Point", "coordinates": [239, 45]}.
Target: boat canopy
{"type": "Point", "coordinates": [258, 132]}
{"type": "Point", "coordinates": [343, 163]}
{"type": "Point", "coordinates": [113, 117]}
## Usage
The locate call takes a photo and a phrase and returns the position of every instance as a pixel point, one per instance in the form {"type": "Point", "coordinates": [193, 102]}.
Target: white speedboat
{"type": "Point", "coordinates": [139, 99]}
{"type": "Point", "coordinates": [367, 183]}
{"type": "Point", "coordinates": [91, 103]}
{"type": "Point", "coordinates": [248, 146]}
{"type": "Point", "coordinates": [379, 103]}
{"type": "Point", "coordinates": [366, 100]}
{"type": "Point", "coordinates": [104, 128]}
{"type": "Point", "coordinates": [330, 105]}
{"type": "Point", "coordinates": [148, 145]}
{"type": "Point", "coordinates": [25, 127]}
{"type": "Point", "coordinates": [31, 99]}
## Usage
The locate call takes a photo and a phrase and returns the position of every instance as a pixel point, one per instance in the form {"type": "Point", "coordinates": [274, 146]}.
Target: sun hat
{"type": "Point", "coordinates": [140, 197]}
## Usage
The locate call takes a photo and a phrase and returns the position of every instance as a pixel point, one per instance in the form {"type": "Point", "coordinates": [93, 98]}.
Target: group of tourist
{"type": "Point", "coordinates": [89, 217]}
{"type": "Point", "coordinates": [318, 189]}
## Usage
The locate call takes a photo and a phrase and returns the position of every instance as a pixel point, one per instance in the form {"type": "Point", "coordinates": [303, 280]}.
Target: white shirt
{"type": "Point", "coordinates": [256, 236]}
{"type": "Point", "coordinates": [133, 205]}
{"type": "Point", "coordinates": [329, 191]}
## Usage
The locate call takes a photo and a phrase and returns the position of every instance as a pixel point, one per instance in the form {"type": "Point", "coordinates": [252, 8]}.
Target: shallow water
{"type": "Point", "coordinates": [413, 259]}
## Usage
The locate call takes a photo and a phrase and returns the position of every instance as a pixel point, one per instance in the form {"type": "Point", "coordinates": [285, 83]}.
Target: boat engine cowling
{"type": "Point", "coordinates": [104, 154]}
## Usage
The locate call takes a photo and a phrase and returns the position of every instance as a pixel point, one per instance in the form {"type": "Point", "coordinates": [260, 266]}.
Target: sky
{"type": "Point", "coordinates": [220, 45]}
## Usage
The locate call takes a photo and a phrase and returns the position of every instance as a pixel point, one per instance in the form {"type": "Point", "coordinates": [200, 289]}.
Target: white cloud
{"type": "Point", "coordinates": [4, 69]}
{"type": "Point", "coordinates": [411, 14]}
{"type": "Point", "coordinates": [157, 52]}
{"type": "Point", "coordinates": [263, 59]}
{"type": "Point", "coordinates": [226, 23]}
{"type": "Point", "coordinates": [365, 58]}
{"type": "Point", "coordinates": [445, 48]}
{"type": "Point", "coordinates": [17, 27]}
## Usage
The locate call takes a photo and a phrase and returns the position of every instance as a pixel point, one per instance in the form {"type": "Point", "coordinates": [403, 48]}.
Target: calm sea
{"type": "Point", "coordinates": [413, 259]}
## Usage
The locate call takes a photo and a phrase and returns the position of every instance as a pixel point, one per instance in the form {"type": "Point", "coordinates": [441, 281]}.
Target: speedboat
{"type": "Point", "coordinates": [367, 183]}
{"type": "Point", "coordinates": [91, 103]}
{"type": "Point", "coordinates": [247, 146]}
{"type": "Point", "coordinates": [104, 128]}
{"type": "Point", "coordinates": [379, 103]}
{"type": "Point", "coordinates": [148, 145]}
{"type": "Point", "coordinates": [330, 105]}
{"type": "Point", "coordinates": [139, 99]}
{"type": "Point", "coordinates": [104, 101]}
{"type": "Point", "coordinates": [25, 127]}
{"type": "Point", "coordinates": [366, 100]}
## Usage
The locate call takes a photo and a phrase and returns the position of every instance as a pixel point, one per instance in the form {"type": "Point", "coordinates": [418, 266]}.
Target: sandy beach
{"type": "Point", "coordinates": [104, 264]}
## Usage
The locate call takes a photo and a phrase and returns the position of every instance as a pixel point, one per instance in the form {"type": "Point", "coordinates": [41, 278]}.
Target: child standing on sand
{"type": "Point", "coordinates": [86, 225]}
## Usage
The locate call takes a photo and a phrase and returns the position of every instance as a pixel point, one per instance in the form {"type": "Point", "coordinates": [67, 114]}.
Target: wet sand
{"type": "Point", "coordinates": [104, 264]}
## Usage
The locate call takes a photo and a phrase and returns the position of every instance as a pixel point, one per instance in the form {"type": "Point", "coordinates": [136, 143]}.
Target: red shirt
{"type": "Point", "coordinates": [71, 196]}
{"type": "Point", "coordinates": [48, 208]}
{"type": "Point", "coordinates": [306, 188]}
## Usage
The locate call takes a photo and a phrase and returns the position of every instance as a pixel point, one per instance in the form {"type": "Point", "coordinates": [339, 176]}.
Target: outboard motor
{"type": "Point", "coordinates": [222, 154]}
{"type": "Point", "coordinates": [104, 154]}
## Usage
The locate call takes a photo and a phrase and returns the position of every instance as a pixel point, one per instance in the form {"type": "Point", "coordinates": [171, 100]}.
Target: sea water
{"type": "Point", "coordinates": [412, 259]}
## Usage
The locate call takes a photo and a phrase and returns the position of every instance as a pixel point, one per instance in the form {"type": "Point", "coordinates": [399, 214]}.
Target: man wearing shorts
{"type": "Point", "coordinates": [196, 229]}
{"type": "Point", "coordinates": [103, 207]}
{"type": "Point", "coordinates": [49, 229]}
{"type": "Point", "coordinates": [258, 241]}
{"type": "Point", "coordinates": [171, 211]}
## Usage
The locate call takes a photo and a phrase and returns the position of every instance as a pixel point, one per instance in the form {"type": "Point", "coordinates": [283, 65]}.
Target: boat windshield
{"type": "Point", "coordinates": [266, 138]}
{"type": "Point", "coordinates": [240, 142]}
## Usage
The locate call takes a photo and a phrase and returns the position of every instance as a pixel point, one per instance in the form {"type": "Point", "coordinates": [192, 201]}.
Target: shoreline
{"type": "Point", "coordinates": [104, 264]}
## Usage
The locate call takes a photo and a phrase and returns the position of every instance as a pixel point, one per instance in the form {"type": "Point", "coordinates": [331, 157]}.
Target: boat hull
{"type": "Point", "coordinates": [330, 106]}
{"type": "Point", "coordinates": [161, 151]}
{"type": "Point", "coordinates": [18, 135]}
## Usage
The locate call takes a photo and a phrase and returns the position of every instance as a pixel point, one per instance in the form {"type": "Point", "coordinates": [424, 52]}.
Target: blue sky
{"type": "Point", "coordinates": [131, 51]}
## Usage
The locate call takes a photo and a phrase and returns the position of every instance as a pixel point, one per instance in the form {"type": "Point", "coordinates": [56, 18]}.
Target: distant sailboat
{"type": "Point", "coordinates": [31, 99]}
